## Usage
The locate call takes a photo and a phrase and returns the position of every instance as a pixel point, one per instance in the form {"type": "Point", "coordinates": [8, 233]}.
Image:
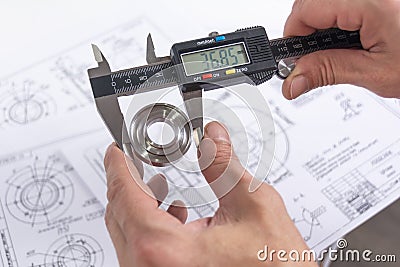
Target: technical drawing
{"type": "Point", "coordinates": [125, 48]}
{"type": "Point", "coordinates": [74, 250]}
{"type": "Point", "coordinates": [72, 75]}
{"type": "Point", "coordinates": [353, 194]}
{"type": "Point", "coordinates": [7, 248]}
{"type": "Point", "coordinates": [67, 85]}
{"type": "Point", "coordinates": [24, 103]}
{"type": "Point", "coordinates": [95, 156]}
{"type": "Point", "coordinates": [348, 106]}
{"type": "Point", "coordinates": [310, 218]}
{"type": "Point", "coordinates": [40, 193]}
{"type": "Point", "coordinates": [308, 98]}
{"type": "Point", "coordinates": [276, 84]}
{"type": "Point", "coordinates": [350, 110]}
{"type": "Point", "coordinates": [279, 172]}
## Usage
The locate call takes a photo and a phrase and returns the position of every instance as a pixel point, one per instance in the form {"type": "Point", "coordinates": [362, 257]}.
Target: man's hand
{"type": "Point", "coordinates": [377, 68]}
{"type": "Point", "coordinates": [245, 223]}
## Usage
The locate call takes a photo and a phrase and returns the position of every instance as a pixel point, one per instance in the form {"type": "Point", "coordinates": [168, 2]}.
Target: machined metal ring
{"type": "Point", "coordinates": [160, 154]}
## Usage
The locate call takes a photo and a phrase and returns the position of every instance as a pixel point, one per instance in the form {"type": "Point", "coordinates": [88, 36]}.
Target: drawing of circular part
{"type": "Point", "coordinates": [278, 171]}
{"type": "Point", "coordinates": [311, 218]}
{"type": "Point", "coordinates": [75, 250]}
{"type": "Point", "coordinates": [39, 195]}
{"type": "Point", "coordinates": [175, 134]}
{"type": "Point", "coordinates": [25, 104]}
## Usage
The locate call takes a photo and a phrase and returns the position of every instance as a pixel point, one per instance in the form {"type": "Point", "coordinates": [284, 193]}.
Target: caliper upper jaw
{"type": "Point", "coordinates": [151, 57]}
{"type": "Point", "coordinates": [103, 66]}
{"type": "Point", "coordinates": [108, 106]}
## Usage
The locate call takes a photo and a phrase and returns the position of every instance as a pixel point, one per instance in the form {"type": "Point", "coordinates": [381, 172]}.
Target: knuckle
{"type": "Point", "coordinates": [323, 70]}
{"type": "Point", "coordinates": [224, 151]}
{"type": "Point", "coordinates": [329, 74]}
{"type": "Point", "coordinates": [146, 249]}
{"type": "Point", "coordinates": [152, 252]}
{"type": "Point", "coordinates": [223, 155]}
{"type": "Point", "coordinates": [155, 253]}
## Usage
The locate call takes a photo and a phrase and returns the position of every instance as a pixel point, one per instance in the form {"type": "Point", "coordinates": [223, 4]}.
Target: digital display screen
{"type": "Point", "coordinates": [212, 59]}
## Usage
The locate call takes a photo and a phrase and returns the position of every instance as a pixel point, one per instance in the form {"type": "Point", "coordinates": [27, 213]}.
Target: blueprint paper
{"type": "Point", "coordinates": [49, 124]}
{"type": "Point", "coordinates": [336, 160]}
{"type": "Point", "coordinates": [48, 215]}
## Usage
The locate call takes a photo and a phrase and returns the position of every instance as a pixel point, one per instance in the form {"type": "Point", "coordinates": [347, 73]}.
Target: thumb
{"type": "Point", "coordinates": [327, 67]}
{"type": "Point", "coordinates": [220, 165]}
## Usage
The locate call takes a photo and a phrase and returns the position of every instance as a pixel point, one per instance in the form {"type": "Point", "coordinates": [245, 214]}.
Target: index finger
{"type": "Point", "coordinates": [310, 15]}
{"type": "Point", "coordinates": [130, 199]}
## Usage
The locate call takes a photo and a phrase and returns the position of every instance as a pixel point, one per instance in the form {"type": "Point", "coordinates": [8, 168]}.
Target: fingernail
{"type": "Point", "coordinates": [215, 130]}
{"type": "Point", "coordinates": [178, 203]}
{"type": "Point", "coordinates": [299, 86]}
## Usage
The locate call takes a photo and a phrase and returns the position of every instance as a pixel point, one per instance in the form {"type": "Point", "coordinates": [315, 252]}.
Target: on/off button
{"type": "Point", "coordinates": [207, 76]}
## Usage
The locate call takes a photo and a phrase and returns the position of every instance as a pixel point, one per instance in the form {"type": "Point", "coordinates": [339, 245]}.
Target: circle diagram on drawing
{"type": "Point", "coordinates": [75, 250]}
{"type": "Point", "coordinates": [25, 103]}
{"type": "Point", "coordinates": [39, 195]}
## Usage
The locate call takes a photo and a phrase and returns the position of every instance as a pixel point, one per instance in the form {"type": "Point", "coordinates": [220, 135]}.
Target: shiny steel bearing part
{"type": "Point", "coordinates": [160, 154]}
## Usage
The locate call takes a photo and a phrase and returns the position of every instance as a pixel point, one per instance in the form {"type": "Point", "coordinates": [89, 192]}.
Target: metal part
{"type": "Point", "coordinates": [286, 67]}
{"type": "Point", "coordinates": [148, 150]}
{"type": "Point", "coordinates": [151, 57]}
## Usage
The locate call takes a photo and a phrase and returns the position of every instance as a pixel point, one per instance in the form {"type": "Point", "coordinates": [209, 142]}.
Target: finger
{"type": "Point", "coordinates": [309, 15]}
{"type": "Point", "coordinates": [328, 68]}
{"type": "Point", "coordinates": [130, 199]}
{"type": "Point", "coordinates": [226, 176]}
{"type": "Point", "coordinates": [116, 235]}
{"type": "Point", "coordinates": [178, 210]}
{"type": "Point", "coordinates": [159, 186]}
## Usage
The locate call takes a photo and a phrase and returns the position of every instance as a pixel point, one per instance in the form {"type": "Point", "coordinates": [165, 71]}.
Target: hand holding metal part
{"type": "Point", "coordinates": [198, 65]}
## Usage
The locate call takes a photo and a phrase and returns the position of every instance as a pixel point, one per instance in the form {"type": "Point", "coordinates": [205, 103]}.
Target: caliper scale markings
{"type": "Point", "coordinates": [321, 40]}
{"type": "Point", "coordinates": [219, 60]}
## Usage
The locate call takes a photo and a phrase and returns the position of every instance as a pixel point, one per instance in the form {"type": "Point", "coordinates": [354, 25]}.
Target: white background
{"type": "Point", "coordinates": [33, 30]}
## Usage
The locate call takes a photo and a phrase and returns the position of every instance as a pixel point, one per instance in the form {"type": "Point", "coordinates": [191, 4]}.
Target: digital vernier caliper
{"type": "Point", "coordinates": [200, 64]}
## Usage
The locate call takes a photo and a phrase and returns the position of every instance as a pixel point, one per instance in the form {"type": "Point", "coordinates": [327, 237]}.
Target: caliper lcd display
{"type": "Point", "coordinates": [216, 58]}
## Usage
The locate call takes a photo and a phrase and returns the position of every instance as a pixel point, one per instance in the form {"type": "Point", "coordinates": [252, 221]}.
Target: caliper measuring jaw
{"type": "Point", "coordinates": [108, 106]}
